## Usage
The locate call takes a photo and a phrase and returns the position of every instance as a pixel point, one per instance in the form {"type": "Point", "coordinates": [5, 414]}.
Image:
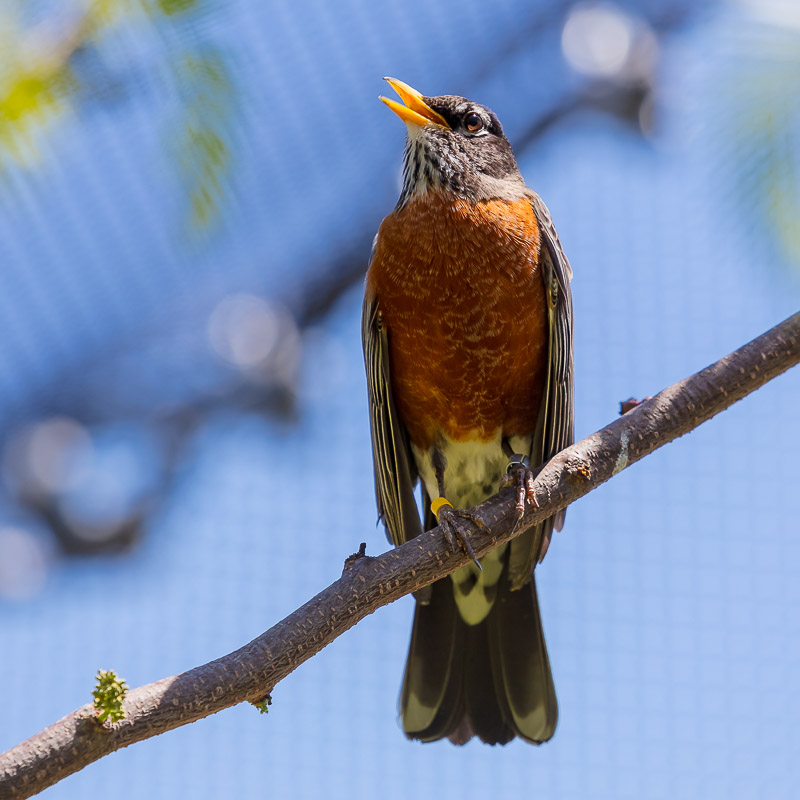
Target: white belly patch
{"type": "Point", "coordinates": [473, 471]}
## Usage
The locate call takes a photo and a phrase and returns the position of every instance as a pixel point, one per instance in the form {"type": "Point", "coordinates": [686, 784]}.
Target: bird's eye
{"type": "Point", "coordinates": [473, 122]}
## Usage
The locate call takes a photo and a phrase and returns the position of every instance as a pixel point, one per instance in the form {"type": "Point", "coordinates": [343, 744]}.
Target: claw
{"type": "Point", "coordinates": [455, 533]}
{"type": "Point", "coordinates": [448, 533]}
{"type": "Point", "coordinates": [531, 490]}
{"type": "Point", "coordinates": [521, 495]}
{"type": "Point", "coordinates": [519, 473]}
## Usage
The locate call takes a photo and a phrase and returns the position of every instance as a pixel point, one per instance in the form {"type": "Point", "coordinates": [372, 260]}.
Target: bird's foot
{"type": "Point", "coordinates": [452, 522]}
{"type": "Point", "coordinates": [520, 475]}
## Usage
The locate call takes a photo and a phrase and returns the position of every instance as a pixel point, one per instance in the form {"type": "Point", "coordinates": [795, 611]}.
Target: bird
{"type": "Point", "coordinates": [467, 330]}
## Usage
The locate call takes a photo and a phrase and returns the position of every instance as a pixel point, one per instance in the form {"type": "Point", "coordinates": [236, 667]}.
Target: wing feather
{"type": "Point", "coordinates": [556, 429]}
{"type": "Point", "coordinates": [394, 468]}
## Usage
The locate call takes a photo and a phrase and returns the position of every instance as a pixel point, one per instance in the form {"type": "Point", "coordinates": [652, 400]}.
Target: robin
{"type": "Point", "coordinates": [467, 332]}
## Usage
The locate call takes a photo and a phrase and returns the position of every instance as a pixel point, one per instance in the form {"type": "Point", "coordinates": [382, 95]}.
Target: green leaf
{"type": "Point", "coordinates": [108, 695]}
{"type": "Point", "coordinates": [263, 705]}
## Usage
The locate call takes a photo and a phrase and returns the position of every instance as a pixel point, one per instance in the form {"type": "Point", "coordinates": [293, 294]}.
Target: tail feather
{"type": "Point", "coordinates": [490, 680]}
{"type": "Point", "coordinates": [484, 715]}
{"type": "Point", "coordinates": [523, 681]}
{"type": "Point", "coordinates": [431, 700]}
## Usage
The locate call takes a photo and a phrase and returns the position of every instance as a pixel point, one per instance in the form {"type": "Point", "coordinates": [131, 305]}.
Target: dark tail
{"type": "Point", "coordinates": [490, 680]}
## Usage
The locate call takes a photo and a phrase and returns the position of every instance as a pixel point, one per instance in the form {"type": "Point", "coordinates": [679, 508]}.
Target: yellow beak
{"type": "Point", "coordinates": [415, 111]}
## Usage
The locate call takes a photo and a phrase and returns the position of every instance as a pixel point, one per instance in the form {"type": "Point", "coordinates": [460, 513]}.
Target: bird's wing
{"type": "Point", "coordinates": [395, 471]}
{"type": "Point", "coordinates": [556, 428]}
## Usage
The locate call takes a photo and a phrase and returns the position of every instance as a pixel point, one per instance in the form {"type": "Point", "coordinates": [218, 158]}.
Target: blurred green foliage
{"type": "Point", "coordinates": [41, 88]}
{"type": "Point", "coordinates": [769, 135]}
{"type": "Point", "coordinates": [202, 146]}
{"type": "Point", "coordinates": [756, 89]}
{"type": "Point", "coordinates": [170, 7]}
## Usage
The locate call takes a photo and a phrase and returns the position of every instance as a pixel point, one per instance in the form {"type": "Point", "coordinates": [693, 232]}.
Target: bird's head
{"type": "Point", "coordinates": [454, 145]}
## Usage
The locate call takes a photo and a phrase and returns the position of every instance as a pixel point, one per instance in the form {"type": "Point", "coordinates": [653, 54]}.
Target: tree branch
{"type": "Point", "coordinates": [369, 583]}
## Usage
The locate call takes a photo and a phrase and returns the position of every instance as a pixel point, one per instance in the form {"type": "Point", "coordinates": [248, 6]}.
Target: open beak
{"type": "Point", "coordinates": [415, 111]}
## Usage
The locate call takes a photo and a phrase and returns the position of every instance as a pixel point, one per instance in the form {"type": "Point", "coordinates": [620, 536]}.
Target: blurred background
{"type": "Point", "coordinates": [188, 193]}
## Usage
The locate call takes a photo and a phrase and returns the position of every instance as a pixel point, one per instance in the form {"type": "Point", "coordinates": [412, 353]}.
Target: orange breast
{"type": "Point", "coordinates": [461, 294]}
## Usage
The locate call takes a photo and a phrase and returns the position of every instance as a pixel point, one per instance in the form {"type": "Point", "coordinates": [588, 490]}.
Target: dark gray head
{"type": "Point", "coordinates": [454, 145]}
